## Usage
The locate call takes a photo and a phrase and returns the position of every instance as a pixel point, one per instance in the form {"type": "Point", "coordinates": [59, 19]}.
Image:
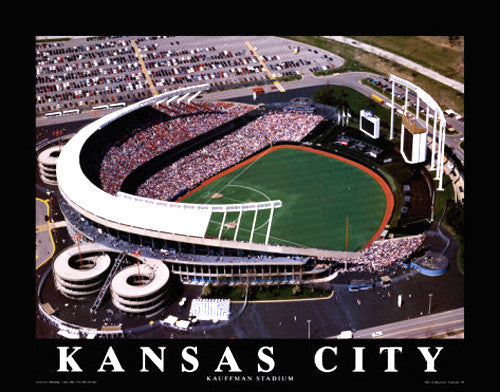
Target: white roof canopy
{"type": "Point", "coordinates": [177, 218]}
{"type": "Point", "coordinates": [76, 187]}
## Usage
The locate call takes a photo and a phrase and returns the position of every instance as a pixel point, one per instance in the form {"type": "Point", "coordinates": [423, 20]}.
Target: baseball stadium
{"type": "Point", "coordinates": [271, 195]}
{"type": "Point", "coordinates": [178, 190]}
{"type": "Point", "coordinates": [204, 190]}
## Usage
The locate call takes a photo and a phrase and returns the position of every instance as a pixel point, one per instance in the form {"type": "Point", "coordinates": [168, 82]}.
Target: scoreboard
{"type": "Point", "coordinates": [413, 140]}
{"type": "Point", "coordinates": [369, 124]}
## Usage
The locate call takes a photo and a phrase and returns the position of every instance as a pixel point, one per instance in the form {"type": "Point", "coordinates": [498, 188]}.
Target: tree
{"type": "Point", "coordinates": [207, 290]}
{"type": "Point", "coordinates": [221, 279]}
{"type": "Point", "coordinates": [455, 217]}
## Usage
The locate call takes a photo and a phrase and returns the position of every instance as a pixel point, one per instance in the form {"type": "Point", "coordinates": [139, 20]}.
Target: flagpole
{"type": "Point", "coordinates": [346, 232]}
{"type": "Point", "coordinates": [346, 239]}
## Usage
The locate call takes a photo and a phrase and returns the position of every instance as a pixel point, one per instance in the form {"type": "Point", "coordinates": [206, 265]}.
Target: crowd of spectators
{"type": "Point", "coordinates": [200, 165]}
{"type": "Point", "coordinates": [182, 122]}
{"type": "Point", "coordinates": [385, 253]}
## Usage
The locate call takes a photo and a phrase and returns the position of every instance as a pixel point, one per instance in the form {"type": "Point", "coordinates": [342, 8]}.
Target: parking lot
{"type": "Point", "coordinates": [89, 73]}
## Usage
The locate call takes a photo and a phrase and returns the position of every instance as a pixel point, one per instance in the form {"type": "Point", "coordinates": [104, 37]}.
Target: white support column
{"type": "Point", "coordinates": [417, 109]}
{"type": "Point", "coordinates": [433, 149]}
{"type": "Point", "coordinates": [183, 97]}
{"type": "Point", "coordinates": [253, 224]}
{"type": "Point", "coordinates": [438, 165]}
{"type": "Point", "coordinates": [269, 225]}
{"type": "Point", "coordinates": [237, 225]}
{"type": "Point", "coordinates": [427, 119]}
{"type": "Point", "coordinates": [441, 169]}
{"type": "Point", "coordinates": [222, 224]}
{"type": "Point", "coordinates": [193, 96]}
{"type": "Point", "coordinates": [426, 126]}
{"type": "Point", "coordinates": [392, 112]}
{"type": "Point", "coordinates": [171, 99]}
{"type": "Point", "coordinates": [406, 100]}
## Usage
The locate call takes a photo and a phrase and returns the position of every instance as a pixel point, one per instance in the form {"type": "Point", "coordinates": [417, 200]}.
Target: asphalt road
{"type": "Point", "coordinates": [401, 60]}
{"type": "Point", "coordinates": [430, 325]}
{"type": "Point", "coordinates": [44, 245]}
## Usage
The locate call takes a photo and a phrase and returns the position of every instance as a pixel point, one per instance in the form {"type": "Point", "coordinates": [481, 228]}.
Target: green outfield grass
{"type": "Point", "coordinates": [318, 193]}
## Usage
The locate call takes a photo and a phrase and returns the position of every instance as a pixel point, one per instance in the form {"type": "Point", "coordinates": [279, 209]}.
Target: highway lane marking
{"type": "Point", "coordinates": [420, 320]}
{"type": "Point", "coordinates": [416, 329]}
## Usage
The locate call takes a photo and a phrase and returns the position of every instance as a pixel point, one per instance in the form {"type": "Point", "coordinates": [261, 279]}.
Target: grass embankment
{"type": "Point", "coordinates": [264, 292]}
{"type": "Point", "coordinates": [442, 54]}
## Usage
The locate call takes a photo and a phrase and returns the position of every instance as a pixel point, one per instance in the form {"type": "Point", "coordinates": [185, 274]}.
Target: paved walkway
{"type": "Point", "coordinates": [401, 60]}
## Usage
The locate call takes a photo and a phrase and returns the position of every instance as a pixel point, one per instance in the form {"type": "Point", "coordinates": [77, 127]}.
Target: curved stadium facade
{"type": "Point", "coordinates": [166, 230]}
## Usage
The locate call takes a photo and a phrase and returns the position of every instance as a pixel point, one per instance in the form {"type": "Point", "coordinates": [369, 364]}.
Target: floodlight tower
{"type": "Point", "coordinates": [137, 253]}
{"type": "Point", "coordinates": [414, 133]}
{"type": "Point", "coordinates": [77, 237]}
{"type": "Point", "coordinates": [58, 133]}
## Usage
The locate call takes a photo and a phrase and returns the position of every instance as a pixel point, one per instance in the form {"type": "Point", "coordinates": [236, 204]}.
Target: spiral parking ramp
{"type": "Point", "coordinates": [141, 288]}
{"type": "Point", "coordinates": [80, 276]}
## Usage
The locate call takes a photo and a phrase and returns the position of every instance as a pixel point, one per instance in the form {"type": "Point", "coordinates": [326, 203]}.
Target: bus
{"type": "Point", "coordinates": [377, 99]}
{"type": "Point", "coordinates": [360, 284]}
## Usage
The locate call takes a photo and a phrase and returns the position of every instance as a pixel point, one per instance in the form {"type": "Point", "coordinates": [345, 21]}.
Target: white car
{"type": "Point", "coordinates": [375, 334]}
{"type": "Point", "coordinates": [345, 335]}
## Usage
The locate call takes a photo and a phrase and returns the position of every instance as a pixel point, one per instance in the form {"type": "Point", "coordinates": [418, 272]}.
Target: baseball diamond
{"type": "Point", "coordinates": [319, 191]}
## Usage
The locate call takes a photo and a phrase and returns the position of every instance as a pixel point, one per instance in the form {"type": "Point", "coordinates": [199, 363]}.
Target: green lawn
{"type": "Point", "coordinates": [263, 292]}
{"type": "Point", "coordinates": [318, 194]}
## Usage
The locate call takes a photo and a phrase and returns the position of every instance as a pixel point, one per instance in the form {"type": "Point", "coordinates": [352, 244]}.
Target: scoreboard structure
{"type": "Point", "coordinates": [414, 132]}
{"type": "Point", "coordinates": [369, 124]}
{"type": "Point", "coordinates": [413, 139]}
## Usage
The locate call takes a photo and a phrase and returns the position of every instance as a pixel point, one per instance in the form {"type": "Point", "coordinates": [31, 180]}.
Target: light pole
{"type": "Point", "coordinates": [308, 329]}
{"type": "Point", "coordinates": [77, 237]}
{"type": "Point", "coordinates": [137, 254]}
{"type": "Point", "coordinates": [430, 301]}
{"type": "Point", "coordinates": [58, 133]}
